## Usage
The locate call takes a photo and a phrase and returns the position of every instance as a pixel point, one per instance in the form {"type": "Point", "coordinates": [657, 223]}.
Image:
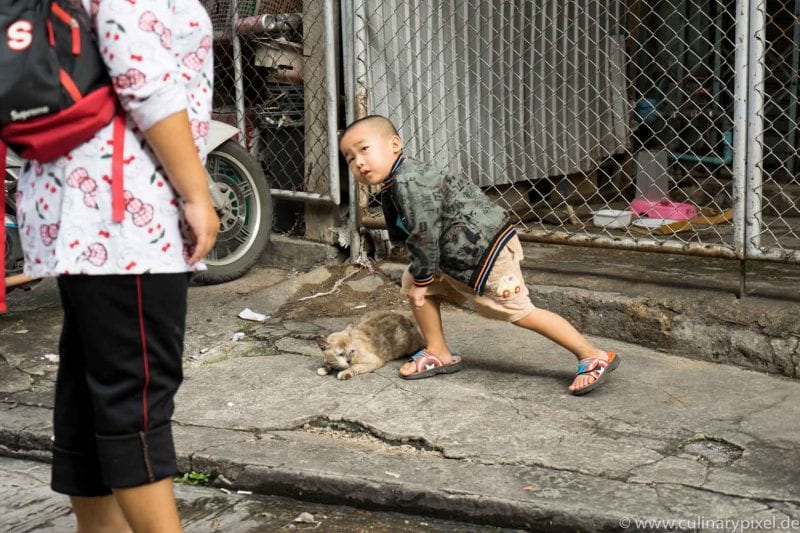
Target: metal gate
{"type": "Point", "coordinates": [663, 126]}
{"type": "Point", "coordinates": [276, 81]}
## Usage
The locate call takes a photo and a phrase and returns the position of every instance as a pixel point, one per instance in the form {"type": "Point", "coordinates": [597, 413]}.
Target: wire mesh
{"type": "Point", "coordinates": [604, 122]}
{"type": "Point", "coordinates": [775, 230]}
{"type": "Point", "coordinates": [271, 82]}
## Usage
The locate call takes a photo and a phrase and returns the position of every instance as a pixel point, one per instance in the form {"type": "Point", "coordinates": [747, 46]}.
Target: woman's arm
{"type": "Point", "coordinates": [171, 140]}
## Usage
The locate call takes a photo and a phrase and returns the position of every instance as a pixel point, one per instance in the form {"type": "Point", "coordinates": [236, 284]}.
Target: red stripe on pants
{"type": "Point", "coordinates": [144, 350]}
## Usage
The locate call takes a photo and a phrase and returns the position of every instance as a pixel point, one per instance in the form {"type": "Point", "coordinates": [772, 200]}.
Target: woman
{"type": "Point", "coordinates": [123, 273]}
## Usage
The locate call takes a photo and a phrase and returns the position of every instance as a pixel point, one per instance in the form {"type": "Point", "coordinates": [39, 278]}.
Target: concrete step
{"type": "Point", "coordinates": [684, 305]}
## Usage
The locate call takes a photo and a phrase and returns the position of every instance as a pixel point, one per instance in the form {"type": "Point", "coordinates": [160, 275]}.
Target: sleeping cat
{"type": "Point", "coordinates": [378, 338]}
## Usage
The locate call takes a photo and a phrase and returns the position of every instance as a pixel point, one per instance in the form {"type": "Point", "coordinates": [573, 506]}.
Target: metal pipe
{"type": "Point", "coordinates": [726, 159]}
{"type": "Point", "coordinates": [634, 245]}
{"type": "Point", "coordinates": [358, 109]}
{"type": "Point", "coordinates": [238, 74]}
{"type": "Point", "coordinates": [717, 14]}
{"type": "Point", "coordinates": [332, 103]}
{"type": "Point", "coordinates": [627, 243]}
{"type": "Point", "coordinates": [780, 255]}
{"type": "Point", "coordinates": [742, 279]}
{"type": "Point", "coordinates": [740, 137]}
{"type": "Point", "coordinates": [755, 126]}
{"type": "Point", "coordinates": [348, 57]}
{"type": "Point", "coordinates": [301, 196]}
{"type": "Point", "coordinates": [373, 222]}
{"type": "Point", "coordinates": [793, 96]}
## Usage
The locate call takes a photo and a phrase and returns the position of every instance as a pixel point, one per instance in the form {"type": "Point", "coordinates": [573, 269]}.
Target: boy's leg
{"type": "Point", "coordinates": [559, 330]}
{"type": "Point", "coordinates": [429, 319]}
{"type": "Point", "coordinates": [506, 297]}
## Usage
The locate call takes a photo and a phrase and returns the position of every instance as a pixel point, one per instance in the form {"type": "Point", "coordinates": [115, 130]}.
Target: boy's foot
{"type": "Point", "coordinates": [593, 371]}
{"type": "Point", "coordinates": [424, 364]}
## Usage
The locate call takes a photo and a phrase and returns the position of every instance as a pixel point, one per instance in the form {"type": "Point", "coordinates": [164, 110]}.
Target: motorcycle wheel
{"type": "Point", "coordinates": [245, 216]}
{"type": "Point", "coordinates": [13, 252]}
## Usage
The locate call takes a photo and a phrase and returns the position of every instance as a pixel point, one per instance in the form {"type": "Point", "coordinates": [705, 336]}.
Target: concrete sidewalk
{"type": "Point", "coordinates": [502, 442]}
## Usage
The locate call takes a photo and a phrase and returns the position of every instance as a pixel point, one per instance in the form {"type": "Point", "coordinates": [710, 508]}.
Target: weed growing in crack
{"type": "Point", "coordinates": [193, 478]}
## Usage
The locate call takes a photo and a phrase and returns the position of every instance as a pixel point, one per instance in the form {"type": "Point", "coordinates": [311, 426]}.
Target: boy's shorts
{"type": "Point", "coordinates": [505, 296]}
{"type": "Point", "coordinates": [119, 369]}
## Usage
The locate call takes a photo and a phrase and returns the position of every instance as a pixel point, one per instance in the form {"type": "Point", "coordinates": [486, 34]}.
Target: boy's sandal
{"type": "Point", "coordinates": [426, 365]}
{"type": "Point", "coordinates": [598, 368]}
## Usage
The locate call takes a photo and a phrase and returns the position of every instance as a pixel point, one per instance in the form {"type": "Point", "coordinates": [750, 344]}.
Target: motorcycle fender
{"type": "Point", "coordinates": [219, 132]}
{"type": "Point", "coordinates": [13, 160]}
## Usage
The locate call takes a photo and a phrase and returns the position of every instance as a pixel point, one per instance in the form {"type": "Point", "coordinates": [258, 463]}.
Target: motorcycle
{"type": "Point", "coordinates": [240, 195]}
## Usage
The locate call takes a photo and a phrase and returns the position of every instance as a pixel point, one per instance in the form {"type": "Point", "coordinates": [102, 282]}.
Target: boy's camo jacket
{"type": "Point", "coordinates": [446, 221]}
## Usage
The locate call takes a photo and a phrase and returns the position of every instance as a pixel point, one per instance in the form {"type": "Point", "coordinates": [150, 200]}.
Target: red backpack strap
{"type": "Point", "coordinates": [117, 167]}
{"type": "Point", "coordinates": [3, 227]}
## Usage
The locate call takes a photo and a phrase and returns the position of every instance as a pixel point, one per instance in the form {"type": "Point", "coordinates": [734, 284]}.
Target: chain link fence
{"type": "Point", "coordinates": [275, 80]}
{"type": "Point", "coordinates": [617, 123]}
{"type": "Point", "coordinates": [773, 184]}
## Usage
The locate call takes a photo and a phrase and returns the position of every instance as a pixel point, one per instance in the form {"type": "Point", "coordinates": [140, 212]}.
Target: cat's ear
{"type": "Point", "coordinates": [322, 342]}
{"type": "Point", "coordinates": [349, 327]}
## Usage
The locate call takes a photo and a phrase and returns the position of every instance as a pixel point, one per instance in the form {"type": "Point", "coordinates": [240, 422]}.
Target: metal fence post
{"type": "Point", "coordinates": [332, 95]}
{"type": "Point", "coordinates": [238, 75]}
{"type": "Point", "coordinates": [348, 58]}
{"type": "Point", "coordinates": [740, 138]}
{"type": "Point", "coordinates": [755, 125]}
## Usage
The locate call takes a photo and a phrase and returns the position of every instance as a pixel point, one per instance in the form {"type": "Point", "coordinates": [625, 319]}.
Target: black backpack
{"type": "Point", "coordinates": [55, 91]}
{"type": "Point", "coordinates": [50, 66]}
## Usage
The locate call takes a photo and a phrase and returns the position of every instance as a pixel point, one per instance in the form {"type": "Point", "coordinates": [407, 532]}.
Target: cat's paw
{"type": "Point", "coordinates": [345, 374]}
{"type": "Point", "coordinates": [322, 371]}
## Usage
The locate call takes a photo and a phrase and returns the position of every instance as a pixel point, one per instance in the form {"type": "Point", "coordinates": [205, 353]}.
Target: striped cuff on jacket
{"type": "Point", "coordinates": [422, 282]}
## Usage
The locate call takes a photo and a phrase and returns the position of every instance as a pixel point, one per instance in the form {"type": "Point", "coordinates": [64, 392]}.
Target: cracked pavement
{"type": "Point", "coordinates": [502, 442]}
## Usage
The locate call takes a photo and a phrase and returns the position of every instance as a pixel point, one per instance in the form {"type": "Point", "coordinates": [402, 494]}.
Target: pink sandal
{"type": "Point", "coordinates": [597, 368]}
{"type": "Point", "coordinates": [427, 365]}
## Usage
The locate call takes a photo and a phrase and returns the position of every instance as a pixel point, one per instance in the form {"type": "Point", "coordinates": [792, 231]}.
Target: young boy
{"type": "Point", "coordinates": [462, 247]}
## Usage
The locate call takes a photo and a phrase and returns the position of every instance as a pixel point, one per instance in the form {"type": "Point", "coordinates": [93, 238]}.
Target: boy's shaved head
{"type": "Point", "coordinates": [380, 124]}
{"type": "Point", "coordinates": [371, 147]}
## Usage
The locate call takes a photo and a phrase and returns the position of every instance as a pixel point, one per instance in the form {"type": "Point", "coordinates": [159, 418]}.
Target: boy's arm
{"type": "Point", "coordinates": [420, 199]}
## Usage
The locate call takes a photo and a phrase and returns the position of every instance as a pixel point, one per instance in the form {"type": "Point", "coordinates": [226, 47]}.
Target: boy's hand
{"type": "Point", "coordinates": [416, 295]}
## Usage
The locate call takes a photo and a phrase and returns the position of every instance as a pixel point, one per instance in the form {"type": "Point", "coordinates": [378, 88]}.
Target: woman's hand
{"type": "Point", "coordinates": [204, 223]}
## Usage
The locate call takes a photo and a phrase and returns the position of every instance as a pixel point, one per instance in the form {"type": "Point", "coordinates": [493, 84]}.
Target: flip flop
{"type": "Point", "coordinates": [601, 369]}
{"type": "Point", "coordinates": [428, 365]}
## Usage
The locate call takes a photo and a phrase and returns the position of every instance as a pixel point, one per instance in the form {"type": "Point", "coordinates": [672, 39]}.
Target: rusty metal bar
{"type": "Point", "coordinates": [599, 241]}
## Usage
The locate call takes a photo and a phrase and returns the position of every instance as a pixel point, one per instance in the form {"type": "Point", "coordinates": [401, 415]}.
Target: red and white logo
{"type": "Point", "coordinates": [20, 35]}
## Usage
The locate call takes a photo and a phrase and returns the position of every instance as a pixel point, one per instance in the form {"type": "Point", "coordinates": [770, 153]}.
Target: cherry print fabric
{"type": "Point", "coordinates": [158, 53]}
